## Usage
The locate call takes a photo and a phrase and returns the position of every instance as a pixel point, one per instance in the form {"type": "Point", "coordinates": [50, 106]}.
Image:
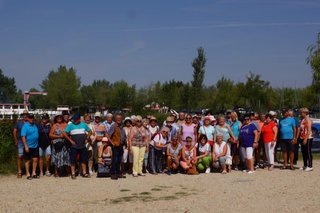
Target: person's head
{"type": "Point", "coordinates": [76, 118]}
{"type": "Point", "coordinates": [145, 122]}
{"type": "Point", "coordinates": [118, 118]}
{"type": "Point", "coordinates": [285, 113]}
{"type": "Point", "coordinates": [87, 118]}
{"type": "Point", "coordinates": [127, 122]}
{"type": "Point", "coordinates": [45, 118]}
{"type": "Point", "coordinates": [195, 119]}
{"type": "Point", "coordinates": [188, 141]}
{"type": "Point", "coordinates": [182, 116]}
{"type": "Point", "coordinates": [229, 114]}
{"type": "Point", "coordinates": [268, 118]}
{"type": "Point", "coordinates": [138, 121]}
{"type": "Point", "coordinates": [206, 121]}
{"type": "Point", "coordinates": [234, 116]}
{"type": "Point", "coordinates": [174, 139]}
{"type": "Point", "coordinates": [188, 119]}
{"type": "Point", "coordinates": [254, 116]}
{"type": "Point", "coordinates": [247, 119]}
{"type": "Point", "coordinates": [25, 115]}
{"type": "Point", "coordinates": [203, 139]}
{"type": "Point", "coordinates": [97, 117]}
{"type": "Point", "coordinates": [262, 117]}
{"type": "Point", "coordinates": [169, 120]}
{"type": "Point", "coordinates": [291, 113]}
{"type": "Point", "coordinates": [165, 131]}
{"type": "Point", "coordinates": [58, 119]}
{"type": "Point", "coordinates": [31, 118]}
{"type": "Point", "coordinates": [219, 138]}
{"type": "Point", "coordinates": [109, 118]}
{"type": "Point", "coordinates": [153, 121]}
{"type": "Point", "coordinates": [221, 120]}
{"type": "Point", "coordinates": [304, 112]}
{"type": "Point", "coordinates": [66, 117]}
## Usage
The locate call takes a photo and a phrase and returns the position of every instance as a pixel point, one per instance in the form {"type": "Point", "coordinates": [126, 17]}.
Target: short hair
{"type": "Point", "coordinates": [304, 109]}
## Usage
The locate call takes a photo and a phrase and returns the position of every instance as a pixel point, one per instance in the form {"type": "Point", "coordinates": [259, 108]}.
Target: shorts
{"type": "Point", "coordinates": [45, 152]}
{"type": "Point", "coordinates": [286, 145]}
{"type": "Point", "coordinates": [246, 152]}
{"type": "Point", "coordinates": [20, 147]}
{"type": "Point", "coordinates": [33, 153]}
{"type": "Point", "coordinates": [83, 153]}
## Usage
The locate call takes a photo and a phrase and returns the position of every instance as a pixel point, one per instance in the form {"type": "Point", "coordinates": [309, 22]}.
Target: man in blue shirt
{"type": "Point", "coordinates": [288, 139]}
{"type": "Point", "coordinates": [30, 137]}
{"type": "Point", "coordinates": [17, 140]}
{"type": "Point", "coordinates": [78, 134]}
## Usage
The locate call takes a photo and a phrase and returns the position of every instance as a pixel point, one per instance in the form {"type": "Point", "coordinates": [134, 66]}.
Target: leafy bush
{"type": "Point", "coordinates": [7, 147]}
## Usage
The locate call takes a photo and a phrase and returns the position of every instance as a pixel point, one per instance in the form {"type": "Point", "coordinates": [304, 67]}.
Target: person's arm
{"type": "Point", "coordinates": [256, 138]}
{"type": "Point", "coordinates": [203, 155]}
{"type": "Point", "coordinates": [309, 130]}
{"type": "Point", "coordinates": [15, 137]}
{"type": "Point", "coordinates": [213, 154]}
{"type": "Point", "coordinates": [275, 132]}
{"type": "Point", "coordinates": [130, 140]}
{"type": "Point", "coordinates": [294, 141]}
{"type": "Point", "coordinates": [66, 135]}
{"type": "Point", "coordinates": [23, 138]}
{"type": "Point", "coordinates": [183, 155]}
{"type": "Point", "coordinates": [231, 132]}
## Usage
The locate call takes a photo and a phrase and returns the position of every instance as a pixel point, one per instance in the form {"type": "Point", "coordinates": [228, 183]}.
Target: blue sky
{"type": "Point", "coordinates": [146, 41]}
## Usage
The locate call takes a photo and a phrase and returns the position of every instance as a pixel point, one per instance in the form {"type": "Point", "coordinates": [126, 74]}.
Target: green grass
{"type": "Point", "coordinates": [125, 190]}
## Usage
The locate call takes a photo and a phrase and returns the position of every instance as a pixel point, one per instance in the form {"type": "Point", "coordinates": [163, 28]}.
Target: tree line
{"type": "Point", "coordinates": [64, 87]}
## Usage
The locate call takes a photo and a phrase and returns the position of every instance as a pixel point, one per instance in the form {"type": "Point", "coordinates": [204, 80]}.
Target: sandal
{"type": "Point", "coordinates": [85, 175]}
{"type": "Point", "coordinates": [19, 175]}
{"type": "Point", "coordinates": [56, 175]}
{"type": "Point", "coordinates": [283, 168]}
{"type": "Point", "coordinates": [29, 177]}
{"type": "Point", "coordinates": [73, 177]}
{"type": "Point", "coordinates": [35, 176]}
{"type": "Point", "coordinates": [292, 168]}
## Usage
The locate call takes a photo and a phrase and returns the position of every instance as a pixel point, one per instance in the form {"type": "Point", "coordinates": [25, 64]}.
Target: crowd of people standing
{"type": "Point", "coordinates": [185, 143]}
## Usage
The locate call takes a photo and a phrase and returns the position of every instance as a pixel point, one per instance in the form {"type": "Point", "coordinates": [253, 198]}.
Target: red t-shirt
{"type": "Point", "coordinates": [267, 132]}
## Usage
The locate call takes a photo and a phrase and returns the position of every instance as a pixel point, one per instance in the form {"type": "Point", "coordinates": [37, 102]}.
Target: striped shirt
{"type": "Point", "coordinates": [78, 134]}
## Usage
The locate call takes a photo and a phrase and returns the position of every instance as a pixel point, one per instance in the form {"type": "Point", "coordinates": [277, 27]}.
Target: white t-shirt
{"type": "Point", "coordinates": [159, 140]}
{"type": "Point", "coordinates": [219, 149]}
{"type": "Point", "coordinates": [153, 130]}
{"type": "Point", "coordinates": [205, 148]}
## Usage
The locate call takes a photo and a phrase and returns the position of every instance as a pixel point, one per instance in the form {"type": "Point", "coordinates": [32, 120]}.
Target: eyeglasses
{"type": "Point", "coordinates": [138, 121]}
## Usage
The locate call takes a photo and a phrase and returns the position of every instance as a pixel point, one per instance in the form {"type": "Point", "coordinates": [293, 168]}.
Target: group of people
{"type": "Point", "coordinates": [185, 143]}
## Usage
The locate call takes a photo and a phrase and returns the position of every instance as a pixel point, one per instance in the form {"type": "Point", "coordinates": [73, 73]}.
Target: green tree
{"type": "Point", "coordinates": [198, 65]}
{"type": "Point", "coordinates": [122, 95]}
{"type": "Point", "coordinates": [225, 94]}
{"type": "Point", "coordinates": [8, 89]}
{"type": "Point", "coordinates": [63, 87]}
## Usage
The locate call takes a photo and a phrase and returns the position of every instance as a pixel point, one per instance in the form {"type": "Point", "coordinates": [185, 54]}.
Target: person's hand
{"type": "Point", "coordinates": [304, 141]}
{"type": "Point", "coordinates": [255, 145]}
{"type": "Point", "coordinates": [27, 149]}
{"type": "Point", "coordinates": [294, 141]}
{"type": "Point", "coordinates": [72, 142]}
{"type": "Point", "coordinates": [272, 144]}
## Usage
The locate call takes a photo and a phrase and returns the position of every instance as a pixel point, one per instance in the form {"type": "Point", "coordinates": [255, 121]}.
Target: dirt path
{"type": "Point", "coordinates": [263, 191]}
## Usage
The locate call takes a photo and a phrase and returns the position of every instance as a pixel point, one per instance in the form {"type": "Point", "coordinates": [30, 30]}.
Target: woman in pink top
{"type": "Point", "coordinates": [188, 129]}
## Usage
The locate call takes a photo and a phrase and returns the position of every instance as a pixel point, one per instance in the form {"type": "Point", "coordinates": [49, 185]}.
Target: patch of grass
{"type": "Point", "coordinates": [181, 193]}
{"type": "Point", "coordinates": [156, 189]}
{"type": "Point", "coordinates": [169, 197]}
{"type": "Point", "coordinates": [125, 190]}
{"type": "Point", "coordinates": [145, 193]}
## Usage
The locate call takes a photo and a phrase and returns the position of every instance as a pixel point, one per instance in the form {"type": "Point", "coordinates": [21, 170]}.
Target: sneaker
{"type": "Point", "coordinates": [302, 168]}
{"type": "Point", "coordinates": [48, 174]}
{"type": "Point", "coordinates": [169, 172]}
{"type": "Point", "coordinates": [250, 172]}
{"type": "Point", "coordinates": [244, 171]}
{"type": "Point", "coordinates": [308, 169]}
{"type": "Point", "coordinates": [91, 173]}
{"type": "Point", "coordinates": [142, 174]}
{"type": "Point", "coordinates": [208, 170]}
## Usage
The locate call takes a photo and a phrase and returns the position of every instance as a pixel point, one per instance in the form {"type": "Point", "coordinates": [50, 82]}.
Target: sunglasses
{"type": "Point", "coordinates": [165, 132]}
{"type": "Point", "coordinates": [138, 121]}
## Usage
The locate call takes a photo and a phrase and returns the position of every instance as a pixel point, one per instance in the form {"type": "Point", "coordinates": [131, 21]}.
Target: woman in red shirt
{"type": "Point", "coordinates": [269, 133]}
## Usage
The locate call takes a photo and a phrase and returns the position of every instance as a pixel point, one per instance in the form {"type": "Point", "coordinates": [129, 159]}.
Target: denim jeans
{"type": "Point", "coordinates": [155, 157]}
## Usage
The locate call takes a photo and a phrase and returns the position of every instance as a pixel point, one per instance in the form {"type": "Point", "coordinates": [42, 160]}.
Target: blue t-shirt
{"type": "Point", "coordinates": [235, 127]}
{"type": "Point", "coordinates": [19, 126]}
{"type": "Point", "coordinates": [31, 133]}
{"type": "Point", "coordinates": [246, 135]}
{"type": "Point", "coordinates": [286, 127]}
{"type": "Point", "coordinates": [78, 134]}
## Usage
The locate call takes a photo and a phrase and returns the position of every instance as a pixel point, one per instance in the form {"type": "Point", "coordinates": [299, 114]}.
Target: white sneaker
{"type": "Point", "coordinates": [244, 171]}
{"type": "Point", "coordinates": [208, 170]}
{"type": "Point", "coordinates": [308, 169]}
{"type": "Point", "coordinates": [250, 172]}
{"type": "Point", "coordinates": [302, 168]}
{"type": "Point", "coordinates": [91, 173]}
